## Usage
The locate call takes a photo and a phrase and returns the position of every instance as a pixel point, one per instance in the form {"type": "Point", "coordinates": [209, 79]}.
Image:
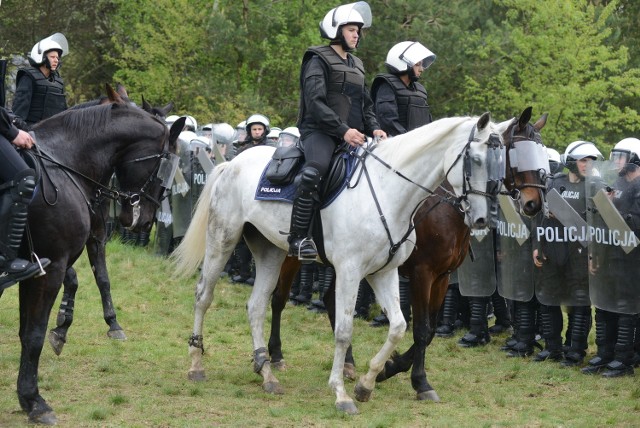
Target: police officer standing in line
{"type": "Point", "coordinates": [617, 290]}
{"type": "Point", "coordinates": [401, 105]}
{"type": "Point", "coordinates": [17, 186]}
{"type": "Point", "coordinates": [335, 107]}
{"type": "Point", "coordinates": [257, 128]}
{"type": "Point", "coordinates": [563, 263]}
{"type": "Point", "coordinates": [39, 88]}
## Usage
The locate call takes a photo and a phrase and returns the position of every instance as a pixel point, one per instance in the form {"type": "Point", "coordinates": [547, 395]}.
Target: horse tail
{"type": "Point", "coordinates": [188, 256]}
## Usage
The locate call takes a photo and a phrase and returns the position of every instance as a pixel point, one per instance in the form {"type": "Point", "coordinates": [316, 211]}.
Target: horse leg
{"type": "Point", "coordinates": [96, 250]}
{"type": "Point", "coordinates": [58, 335]}
{"type": "Point", "coordinates": [329, 300]}
{"type": "Point", "coordinates": [37, 296]}
{"type": "Point", "coordinates": [268, 259]}
{"type": "Point", "coordinates": [388, 296]}
{"type": "Point", "coordinates": [278, 301]}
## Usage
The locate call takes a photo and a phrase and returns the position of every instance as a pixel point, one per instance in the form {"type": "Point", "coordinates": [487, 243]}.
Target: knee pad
{"type": "Point", "coordinates": [310, 178]}
{"type": "Point", "coordinates": [24, 186]}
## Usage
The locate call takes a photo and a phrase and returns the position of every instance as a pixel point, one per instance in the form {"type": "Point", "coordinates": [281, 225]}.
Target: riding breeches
{"type": "Point", "coordinates": [10, 161]}
{"type": "Point", "coordinates": [318, 149]}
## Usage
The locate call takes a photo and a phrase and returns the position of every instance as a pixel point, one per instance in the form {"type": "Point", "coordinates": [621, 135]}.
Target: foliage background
{"type": "Point", "coordinates": [222, 60]}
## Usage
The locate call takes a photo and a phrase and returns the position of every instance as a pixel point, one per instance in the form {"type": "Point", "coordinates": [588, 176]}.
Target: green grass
{"type": "Point", "coordinates": [141, 382]}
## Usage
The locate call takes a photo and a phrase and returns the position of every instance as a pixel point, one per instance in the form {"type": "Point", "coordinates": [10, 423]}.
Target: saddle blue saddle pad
{"type": "Point", "coordinates": [267, 191]}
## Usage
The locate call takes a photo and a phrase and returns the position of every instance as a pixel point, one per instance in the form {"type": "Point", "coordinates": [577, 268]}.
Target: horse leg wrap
{"type": "Point", "coordinates": [260, 357]}
{"type": "Point", "coordinates": [196, 341]}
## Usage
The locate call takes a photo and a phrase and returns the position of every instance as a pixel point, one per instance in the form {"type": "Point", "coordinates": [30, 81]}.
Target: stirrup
{"type": "Point", "coordinates": [306, 259]}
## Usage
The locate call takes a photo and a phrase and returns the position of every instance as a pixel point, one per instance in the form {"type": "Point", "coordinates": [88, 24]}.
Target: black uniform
{"type": "Point", "coordinates": [399, 108]}
{"type": "Point", "coordinates": [38, 97]}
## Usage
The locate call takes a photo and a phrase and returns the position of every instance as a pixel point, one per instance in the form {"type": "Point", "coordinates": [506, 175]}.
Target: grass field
{"type": "Point", "coordinates": [142, 382]}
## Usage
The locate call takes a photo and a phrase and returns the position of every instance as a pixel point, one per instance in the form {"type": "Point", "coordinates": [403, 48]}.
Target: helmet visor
{"type": "Point", "coordinates": [416, 53]}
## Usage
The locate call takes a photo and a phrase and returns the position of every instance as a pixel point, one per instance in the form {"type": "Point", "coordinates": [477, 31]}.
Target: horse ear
{"type": "Point", "coordinates": [112, 95]}
{"type": "Point", "coordinates": [541, 122]}
{"type": "Point", "coordinates": [146, 106]}
{"type": "Point", "coordinates": [176, 128]}
{"type": "Point", "coordinates": [167, 109]}
{"type": "Point", "coordinates": [484, 120]}
{"type": "Point", "coordinates": [525, 117]}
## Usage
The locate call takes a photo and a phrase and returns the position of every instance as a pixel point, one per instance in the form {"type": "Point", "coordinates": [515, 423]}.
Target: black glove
{"type": "Point", "coordinates": [19, 123]}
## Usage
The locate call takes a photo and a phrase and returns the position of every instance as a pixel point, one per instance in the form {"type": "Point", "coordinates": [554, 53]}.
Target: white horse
{"type": "Point", "coordinates": [355, 239]}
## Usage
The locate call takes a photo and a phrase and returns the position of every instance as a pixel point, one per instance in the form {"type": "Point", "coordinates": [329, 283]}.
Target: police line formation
{"type": "Point", "coordinates": [580, 252]}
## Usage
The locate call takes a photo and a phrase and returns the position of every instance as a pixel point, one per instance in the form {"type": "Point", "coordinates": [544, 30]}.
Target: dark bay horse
{"type": "Point", "coordinates": [79, 150]}
{"type": "Point", "coordinates": [442, 243]}
{"type": "Point", "coordinates": [96, 247]}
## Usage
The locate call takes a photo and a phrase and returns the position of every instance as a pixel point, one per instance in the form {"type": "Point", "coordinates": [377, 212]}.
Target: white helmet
{"type": "Point", "coordinates": [190, 124]}
{"type": "Point", "coordinates": [55, 41]}
{"type": "Point", "coordinates": [257, 119]}
{"type": "Point", "coordinates": [170, 119]}
{"type": "Point", "coordinates": [274, 133]}
{"type": "Point", "coordinates": [580, 149]}
{"type": "Point", "coordinates": [223, 133]}
{"type": "Point", "coordinates": [358, 13]}
{"type": "Point", "coordinates": [289, 137]}
{"type": "Point", "coordinates": [629, 149]}
{"type": "Point", "coordinates": [403, 56]}
{"type": "Point", "coordinates": [207, 127]}
{"type": "Point", "coordinates": [553, 154]}
{"type": "Point", "coordinates": [241, 131]}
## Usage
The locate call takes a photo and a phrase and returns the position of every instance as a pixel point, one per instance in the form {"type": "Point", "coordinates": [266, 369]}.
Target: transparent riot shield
{"type": "Point", "coordinates": [181, 198]}
{"type": "Point", "coordinates": [477, 274]}
{"type": "Point", "coordinates": [614, 269]}
{"type": "Point", "coordinates": [560, 241]}
{"type": "Point", "coordinates": [514, 253]}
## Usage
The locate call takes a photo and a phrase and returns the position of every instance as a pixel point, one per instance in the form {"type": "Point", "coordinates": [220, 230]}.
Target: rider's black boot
{"type": "Point", "coordinates": [301, 244]}
{"type": "Point", "coordinates": [14, 204]}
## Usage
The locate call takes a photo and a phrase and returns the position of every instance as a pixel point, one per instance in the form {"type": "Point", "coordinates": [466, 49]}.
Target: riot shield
{"type": "Point", "coordinates": [614, 266]}
{"type": "Point", "coordinates": [477, 274]}
{"type": "Point", "coordinates": [514, 253]}
{"type": "Point", "coordinates": [181, 198]}
{"type": "Point", "coordinates": [561, 241]}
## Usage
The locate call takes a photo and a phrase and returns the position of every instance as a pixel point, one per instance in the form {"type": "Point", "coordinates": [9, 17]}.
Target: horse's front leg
{"type": "Point", "coordinates": [37, 296]}
{"type": "Point", "coordinates": [329, 299]}
{"type": "Point", "coordinates": [96, 250]}
{"type": "Point", "coordinates": [58, 335]}
{"type": "Point", "coordinates": [278, 302]}
{"type": "Point", "coordinates": [385, 285]}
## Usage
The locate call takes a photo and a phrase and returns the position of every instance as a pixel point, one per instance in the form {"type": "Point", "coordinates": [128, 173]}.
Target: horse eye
{"type": "Point", "coordinates": [477, 159]}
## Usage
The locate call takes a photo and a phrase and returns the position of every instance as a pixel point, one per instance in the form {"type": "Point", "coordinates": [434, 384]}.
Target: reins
{"type": "Point", "coordinates": [450, 198]}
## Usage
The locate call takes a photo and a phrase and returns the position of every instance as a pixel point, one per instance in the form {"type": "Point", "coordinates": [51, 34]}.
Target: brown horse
{"type": "Point", "coordinates": [442, 243]}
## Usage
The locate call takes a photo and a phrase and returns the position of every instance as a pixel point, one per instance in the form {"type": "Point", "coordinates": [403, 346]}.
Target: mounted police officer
{"type": "Point", "coordinates": [614, 266]}
{"type": "Point", "coordinates": [400, 101]}
{"type": "Point", "coordinates": [17, 186]}
{"type": "Point", "coordinates": [39, 88]}
{"type": "Point", "coordinates": [562, 258]}
{"type": "Point", "coordinates": [335, 107]}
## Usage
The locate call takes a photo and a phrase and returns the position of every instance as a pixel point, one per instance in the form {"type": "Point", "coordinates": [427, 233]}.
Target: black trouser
{"type": "Point", "coordinates": [10, 161]}
{"type": "Point", "coordinates": [318, 149]}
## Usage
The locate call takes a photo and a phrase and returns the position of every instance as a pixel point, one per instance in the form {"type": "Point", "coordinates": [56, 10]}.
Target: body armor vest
{"type": "Point", "coordinates": [345, 86]}
{"type": "Point", "coordinates": [413, 108]}
{"type": "Point", "coordinates": [48, 96]}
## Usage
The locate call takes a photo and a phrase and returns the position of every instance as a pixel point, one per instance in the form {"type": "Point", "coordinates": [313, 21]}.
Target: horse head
{"type": "Point", "coordinates": [144, 173]}
{"type": "Point", "coordinates": [527, 162]}
{"type": "Point", "coordinates": [477, 180]}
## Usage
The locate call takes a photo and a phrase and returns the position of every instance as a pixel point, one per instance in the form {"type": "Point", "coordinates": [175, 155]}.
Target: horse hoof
{"type": "Point", "coordinates": [197, 375]}
{"type": "Point", "coordinates": [273, 388]}
{"type": "Point", "coordinates": [56, 341]}
{"type": "Point", "coordinates": [347, 407]}
{"type": "Point", "coordinates": [279, 365]}
{"type": "Point", "coordinates": [428, 395]}
{"type": "Point", "coordinates": [362, 394]}
{"type": "Point", "coordinates": [349, 371]}
{"type": "Point", "coordinates": [117, 335]}
{"type": "Point", "coordinates": [48, 418]}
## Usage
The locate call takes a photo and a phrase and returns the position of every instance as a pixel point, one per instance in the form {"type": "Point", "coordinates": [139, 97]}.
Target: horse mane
{"type": "Point", "coordinates": [404, 147]}
{"type": "Point", "coordinates": [76, 121]}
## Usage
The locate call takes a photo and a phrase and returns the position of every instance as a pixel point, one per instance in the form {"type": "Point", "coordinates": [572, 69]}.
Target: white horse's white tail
{"type": "Point", "coordinates": [188, 256]}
